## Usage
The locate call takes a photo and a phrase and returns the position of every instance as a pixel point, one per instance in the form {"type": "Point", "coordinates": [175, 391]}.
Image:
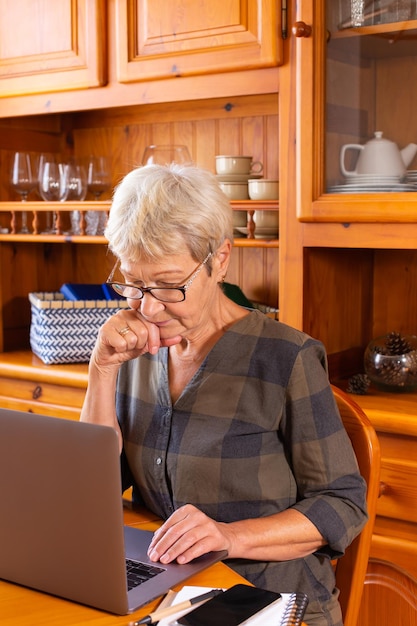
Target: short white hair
{"type": "Point", "coordinates": [158, 210]}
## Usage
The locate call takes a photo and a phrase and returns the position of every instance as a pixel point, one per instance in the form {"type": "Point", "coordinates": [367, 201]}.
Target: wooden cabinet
{"type": "Point", "coordinates": [391, 581]}
{"type": "Point", "coordinates": [51, 45]}
{"type": "Point", "coordinates": [348, 261]}
{"type": "Point", "coordinates": [175, 49]}
{"type": "Point", "coordinates": [159, 39]}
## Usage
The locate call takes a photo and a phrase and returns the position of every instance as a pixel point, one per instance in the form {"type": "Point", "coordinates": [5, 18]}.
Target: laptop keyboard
{"type": "Point", "coordinates": [138, 573]}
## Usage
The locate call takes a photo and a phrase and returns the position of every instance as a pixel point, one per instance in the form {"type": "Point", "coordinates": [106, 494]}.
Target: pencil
{"type": "Point", "coordinates": [175, 608]}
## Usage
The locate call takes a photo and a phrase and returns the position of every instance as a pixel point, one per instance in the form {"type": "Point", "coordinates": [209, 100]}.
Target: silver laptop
{"type": "Point", "coordinates": [61, 516]}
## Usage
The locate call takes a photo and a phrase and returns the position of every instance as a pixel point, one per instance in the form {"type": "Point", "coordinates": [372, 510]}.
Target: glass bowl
{"type": "Point", "coordinates": [392, 372]}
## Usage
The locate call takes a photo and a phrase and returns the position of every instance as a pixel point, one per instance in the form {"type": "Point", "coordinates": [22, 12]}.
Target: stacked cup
{"type": "Point", "coordinates": [233, 174]}
{"type": "Point", "coordinates": [266, 222]}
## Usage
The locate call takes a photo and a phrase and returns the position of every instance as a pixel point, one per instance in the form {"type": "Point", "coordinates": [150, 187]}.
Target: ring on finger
{"type": "Point", "coordinates": [124, 331]}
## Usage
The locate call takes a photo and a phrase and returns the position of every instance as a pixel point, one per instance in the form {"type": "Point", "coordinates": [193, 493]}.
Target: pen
{"type": "Point", "coordinates": [170, 610]}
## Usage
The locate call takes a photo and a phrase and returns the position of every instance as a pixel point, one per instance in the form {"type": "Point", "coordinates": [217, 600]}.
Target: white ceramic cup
{"type": "Point", "coordinates": [263, 189]}
{"type": "Point", "coordinates": [266, 219]}
{"type": "Point", "coordinates": [235, 191]}
{"type": "Point", "coordinates": [242, 165]}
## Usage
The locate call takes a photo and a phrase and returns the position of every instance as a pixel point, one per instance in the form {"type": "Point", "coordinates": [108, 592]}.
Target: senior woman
{"type": "Point", "coordinates": [228, 426]}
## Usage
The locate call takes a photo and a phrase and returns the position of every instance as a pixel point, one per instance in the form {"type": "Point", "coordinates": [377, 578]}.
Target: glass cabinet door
{"type": "Point", "coordinates": [364, 110]}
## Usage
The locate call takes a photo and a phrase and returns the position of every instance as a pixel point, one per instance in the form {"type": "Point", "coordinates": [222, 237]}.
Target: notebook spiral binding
{"type": "Point", "coordinates": [295, 610]}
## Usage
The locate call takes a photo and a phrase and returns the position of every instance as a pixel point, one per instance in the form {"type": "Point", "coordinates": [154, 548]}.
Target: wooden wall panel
{"type": "Point", "coordinates": [345, 306]}
{"type": "Point", "coordinates": [395, 292]}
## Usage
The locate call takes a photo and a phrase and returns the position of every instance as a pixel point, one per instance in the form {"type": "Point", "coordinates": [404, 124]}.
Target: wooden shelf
{"type": "Point", "coordinates": [42, 207]}
{"type": "Point", "coordinates": [45, 207]}
{"type": "Point", "coordinates": [389, 412]}
{"type": "Point", "coordinates": [407, 27]}
{"type": "Point", "coordinates": [255, 205]}
{"type": "Point", "coordinates": [104, 205]}
{"type": "Point", "coordinates": [239, 242]}
{"type": "Point", "coordinates": [396, 39]}
{"type": "Point", "coordinates": [246, 242]}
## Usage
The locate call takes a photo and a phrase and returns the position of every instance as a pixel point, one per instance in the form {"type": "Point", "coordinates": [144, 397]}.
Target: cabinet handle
{"type": "Point", "coordinates": [301, 29]}
{"type": "Point", "coordinates": [37, 392]}
{"type": "Point", "coordinates": [383, 489]}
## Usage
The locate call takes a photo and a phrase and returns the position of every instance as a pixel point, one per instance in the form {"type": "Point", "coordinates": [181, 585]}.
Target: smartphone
{"type": "Point", "coordinates": [232, 607]}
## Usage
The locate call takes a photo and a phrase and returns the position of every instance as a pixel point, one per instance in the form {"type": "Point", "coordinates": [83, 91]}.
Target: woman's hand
{"type": "Point", "coordinates": [187, 534]}
{"type": "Point", "coordinates": [126, 335]}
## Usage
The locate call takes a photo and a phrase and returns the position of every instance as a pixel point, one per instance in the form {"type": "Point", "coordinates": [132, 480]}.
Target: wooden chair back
{"type": "Point", "coordinates": [351, 568]}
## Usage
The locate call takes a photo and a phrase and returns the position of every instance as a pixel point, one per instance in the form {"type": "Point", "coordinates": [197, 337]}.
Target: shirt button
{"type": "Point", "coordinates": [158, 460]}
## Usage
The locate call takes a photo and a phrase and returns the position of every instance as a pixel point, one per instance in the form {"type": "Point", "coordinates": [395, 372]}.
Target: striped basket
{"type": "Point", "coordinates": [65, 331]}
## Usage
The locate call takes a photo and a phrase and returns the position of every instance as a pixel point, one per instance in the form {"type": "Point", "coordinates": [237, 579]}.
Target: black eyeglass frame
{"type": "Point", "coordinates": [119, 288]}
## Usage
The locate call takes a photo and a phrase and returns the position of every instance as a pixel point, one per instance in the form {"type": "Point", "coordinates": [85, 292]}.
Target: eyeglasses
{"type": "Point", "coordinates": [163, 294]}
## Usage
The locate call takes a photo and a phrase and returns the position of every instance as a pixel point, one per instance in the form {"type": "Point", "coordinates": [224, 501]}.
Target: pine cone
{"type": "Point", "coordinates": [393, 373]}
{"type": "Point", "coordinates": [397, 344]}
{"type": "Point", "coordinates": [358, 384]}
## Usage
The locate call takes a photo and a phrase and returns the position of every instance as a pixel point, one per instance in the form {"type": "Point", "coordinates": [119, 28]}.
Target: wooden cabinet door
{"type": "Point", "coordinates": [169, 38]}
{"type": "Point", "coordinates": [349, 81]}
{"type": "Point", "coordinates": [51, 45]}
{"type": "Point", "coordinates": [389, 596]}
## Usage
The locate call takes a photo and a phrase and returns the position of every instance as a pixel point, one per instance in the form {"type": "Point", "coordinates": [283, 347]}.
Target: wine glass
{"type": "Point", "coordinates": [98, 181]}
{"type": "Point", "coordinates": [77, 190]}
{"type": "Point", "coordinates": [23, 180]}
{"type": "Point", "coordinates": [77, 182]}
{"type": "Point", "coordinates": [98, 176]}
{"type": "Point", "coordinates": [164, 155]}
{"type": "Point", "coordinates": [53, 182]}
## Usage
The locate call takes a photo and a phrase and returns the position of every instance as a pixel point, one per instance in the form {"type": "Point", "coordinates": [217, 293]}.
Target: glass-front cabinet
{"type": "Point", "coordinates": [364, 107]}
{"type": "Point", "coordinates": [348, 237]}
{"type": "Point", "coordinates": [348, 195]}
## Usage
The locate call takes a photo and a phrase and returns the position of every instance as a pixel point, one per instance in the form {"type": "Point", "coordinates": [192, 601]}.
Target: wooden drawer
{"type": "Point", "coordinates": [42, 409]}
{"type": "Point", "coordinates": [40, 396]}
{"type": "Point", "coordinates": [399, 497]}
{"type": "Point", "coordinates": [27, 384]}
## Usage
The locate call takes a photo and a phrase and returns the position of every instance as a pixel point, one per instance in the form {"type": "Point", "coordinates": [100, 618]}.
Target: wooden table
{"type": "Point", "coordinates": [20, 606]}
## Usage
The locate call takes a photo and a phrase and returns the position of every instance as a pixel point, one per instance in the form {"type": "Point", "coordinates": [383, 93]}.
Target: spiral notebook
{"type": "Point", "coordinates": [289, 612]}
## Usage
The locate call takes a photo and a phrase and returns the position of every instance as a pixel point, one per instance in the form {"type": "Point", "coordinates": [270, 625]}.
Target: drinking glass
{"type": "Point", "coordinates": [77, 190]}
{"type": "Point", "coordinates": [23, 180]}
{"type": "Point", "coordinates": [53, 183]}
{"type": "Point", "coordinates": [98, 181]}
{"type": "Point", "coordinates": [77, 182]}
{"type": "Point", "coordinates": [357, 12]}
{"type": "Point", "coordinates": [98, 176]}
{"type": "Point", "coordinates": [164, 155]}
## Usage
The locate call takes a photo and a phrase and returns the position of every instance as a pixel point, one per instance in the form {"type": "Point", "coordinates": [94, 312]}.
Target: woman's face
{"type": "Point", "coordinates": [184, 318]}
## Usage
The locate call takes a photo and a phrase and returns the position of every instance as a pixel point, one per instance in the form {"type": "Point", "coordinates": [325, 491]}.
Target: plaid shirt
{"type": "Point", "coordinates": [256, 431]}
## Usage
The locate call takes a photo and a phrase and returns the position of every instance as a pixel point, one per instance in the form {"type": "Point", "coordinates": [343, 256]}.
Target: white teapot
{"type": "Point", "coordinates": [379, 157]}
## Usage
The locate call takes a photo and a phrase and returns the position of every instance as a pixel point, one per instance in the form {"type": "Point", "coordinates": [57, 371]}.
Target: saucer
{"type": "Point", "coordinates": [372, 188]}
{"type": "Point", "coordinates": [236, 178]}
{"type": "Point", "coordinates": [365, 179]}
